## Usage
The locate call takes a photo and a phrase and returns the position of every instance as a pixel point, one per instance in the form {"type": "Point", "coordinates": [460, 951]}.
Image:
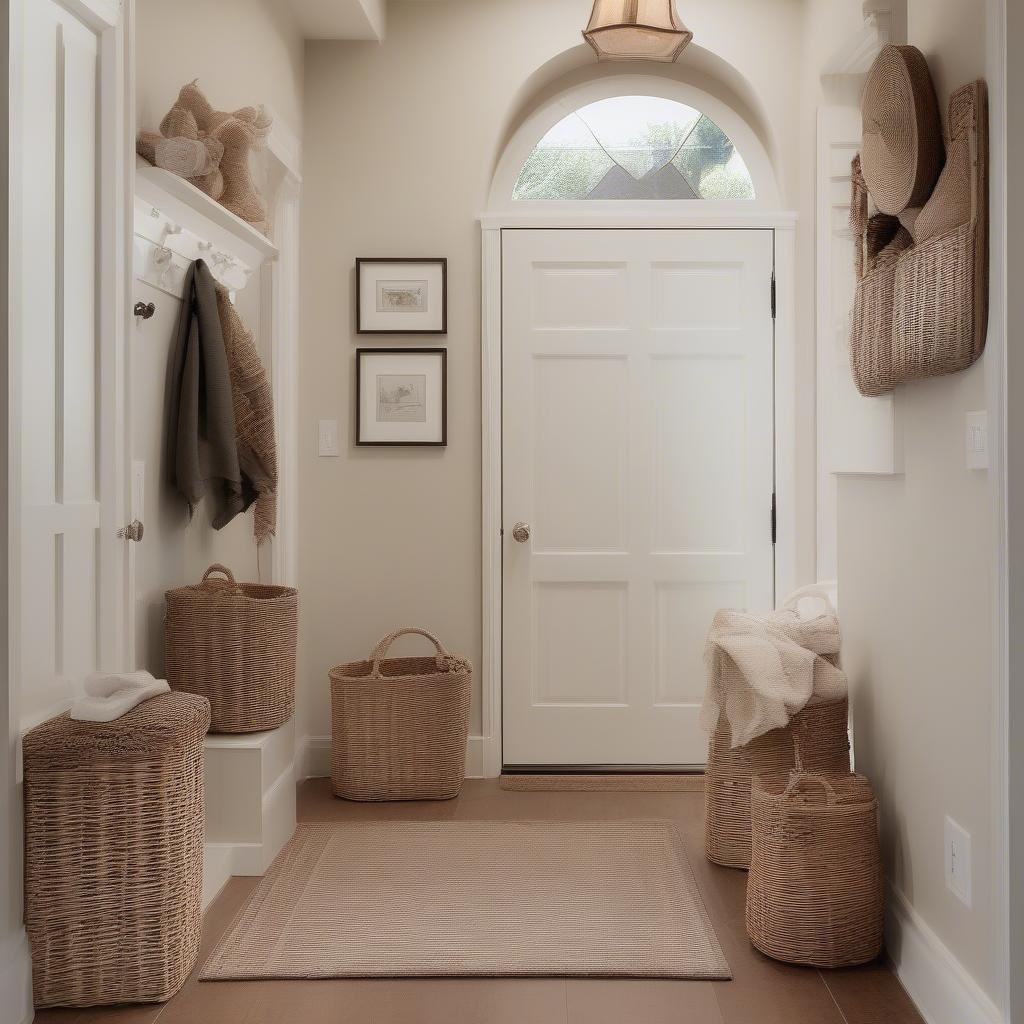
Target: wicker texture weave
{"type": "Point", "coordinates": [818, 735]}
{"type": "Point", "coordinates": [941, 285]}
{"type": "Point", "coordinates": [114, 853]}
{"type": "Point", "coordinates": [400, 725]}
{"type": "Point", "coordinates": [234, 643]}
{"type": "Point", "coordinates": [815, 891]}
{"type": "Point", "coordinates": [902, 150]}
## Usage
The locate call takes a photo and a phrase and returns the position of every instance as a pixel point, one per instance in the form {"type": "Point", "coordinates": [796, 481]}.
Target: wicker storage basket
{"type": "Point", "coordinates": [400, 725]}
{"type": "Point", "coordinates": [814, 894]}
{"type": "Point", "coordinates": [114, 853]}
{"type": "Point", "coordinates": [817, 735]}
{"type": "Point", "coordinates": [234, 643]}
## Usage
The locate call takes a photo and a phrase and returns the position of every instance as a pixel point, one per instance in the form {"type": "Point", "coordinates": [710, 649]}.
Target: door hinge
{"type": "Point", "coordinates": [773, 294]}
{"type": "Point", "coordinates": [775, 519]}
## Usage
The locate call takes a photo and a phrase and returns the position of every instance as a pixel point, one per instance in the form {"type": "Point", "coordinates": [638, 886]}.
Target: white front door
{"type": "Point", "coordinates": [638, 451]}
{"type": "Point", "coordinates": [70, 200]}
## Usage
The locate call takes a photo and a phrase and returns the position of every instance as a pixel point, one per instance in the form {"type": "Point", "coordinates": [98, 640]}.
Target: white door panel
{"type": "Point", "coordinates": [638, 437]}
{"type": "Point", "coordinates": [69, 361]}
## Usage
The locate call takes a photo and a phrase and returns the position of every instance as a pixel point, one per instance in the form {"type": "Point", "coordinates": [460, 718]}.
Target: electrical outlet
{"type": "Point", "coordinates": [958, 861]}
{"type": "Point", "coordinates": [327, 438]}
{"type": "Point", "coordinates": [977, 440]}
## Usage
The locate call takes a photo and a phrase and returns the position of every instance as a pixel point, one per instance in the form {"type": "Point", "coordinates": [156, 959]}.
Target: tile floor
{"type": "Point", "coordinates": [761, 992]}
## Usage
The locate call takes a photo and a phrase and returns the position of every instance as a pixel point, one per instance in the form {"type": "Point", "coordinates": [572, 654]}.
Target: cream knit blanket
{"type": "Point", "coordinates": [764, 669]}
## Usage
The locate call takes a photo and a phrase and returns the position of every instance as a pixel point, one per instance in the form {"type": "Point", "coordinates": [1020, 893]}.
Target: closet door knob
{"type": "Point", "coordinates": [144, 309]}
{"type": "Point", "coordinates": [133, 531]}
{"type": "Point", "coordinates": [521, 532]}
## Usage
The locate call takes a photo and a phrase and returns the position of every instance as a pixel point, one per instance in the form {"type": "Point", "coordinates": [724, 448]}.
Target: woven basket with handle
{"type": "Point", "coordinates": [815, 890]}
{"type": "Point", "coordinates": [234, 643]}
{"type": "Point", "coordinates": [400, 725]}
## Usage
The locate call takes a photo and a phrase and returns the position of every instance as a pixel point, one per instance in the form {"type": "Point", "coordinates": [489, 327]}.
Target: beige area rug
{"type": "Point", "coordinates": [655, 783]}
{"type": "Point", "coordinates": [475, 898]}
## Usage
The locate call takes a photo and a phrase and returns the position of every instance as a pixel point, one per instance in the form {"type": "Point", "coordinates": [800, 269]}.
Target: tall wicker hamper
{"type": "Point", "coordinates": [815, 890]}
{"type": "Point", "coordinates": [818, 735]}
{"type": "Point", "coordinates": [234, 643]}
{"type": "Point", "coordinates": [399, 725]}
{"type": "Point", "coordinates": [114, 853]}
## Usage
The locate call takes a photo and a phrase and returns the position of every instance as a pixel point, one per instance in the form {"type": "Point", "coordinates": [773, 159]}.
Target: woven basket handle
{"type": "Point", "coordinates": [797, 779]}
{"type": "Point", "coordinates": [380, 651]}
{"type": "Point", "coordinates": [813, 590]}
{"type": "Point", "coordinates": [223, 570]}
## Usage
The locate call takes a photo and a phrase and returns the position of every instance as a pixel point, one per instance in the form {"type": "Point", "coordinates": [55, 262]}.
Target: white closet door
{"type": "Point", "coordinates": [69, 294]}
{"type": "Point", "coordinates": [638, 437]}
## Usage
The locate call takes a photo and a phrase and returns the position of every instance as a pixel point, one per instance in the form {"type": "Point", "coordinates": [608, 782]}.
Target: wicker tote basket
{"type": "Point", "coordinates": [400, 725]}
{"type": "Point", "coordinates": [817, 738]}
{"type": "Point", "coordinates": [815, 891]}
{"type": "Point", "coordinates": [234, 643]}
{"type": "Point", "coordinates": [114, 853]}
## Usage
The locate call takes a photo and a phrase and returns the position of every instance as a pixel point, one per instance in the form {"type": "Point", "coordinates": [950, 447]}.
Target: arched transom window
{"type": "Point", "coordinates": [635, 147]}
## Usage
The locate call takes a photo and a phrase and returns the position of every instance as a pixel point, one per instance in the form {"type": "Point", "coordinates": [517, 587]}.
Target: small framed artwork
{"type": "Point", "coordinates": [402, 396]}
{"type": "Point", "coordinates": [402, 296]}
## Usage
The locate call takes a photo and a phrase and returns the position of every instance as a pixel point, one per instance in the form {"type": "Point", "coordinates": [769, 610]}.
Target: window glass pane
{"type": "Point", "coordinates": [634, 147]}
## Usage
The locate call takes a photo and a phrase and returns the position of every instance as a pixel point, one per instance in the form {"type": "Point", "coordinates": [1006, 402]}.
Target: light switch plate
{"type": "Point", "coordinates": [958, 861]}
{"type": "Point", "coordinates": [327, 438]}
{"type": "Point", "coordinates": [977, 440]}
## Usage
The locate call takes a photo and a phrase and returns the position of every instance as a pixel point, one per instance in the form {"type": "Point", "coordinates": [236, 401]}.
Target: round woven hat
{"type": "Point", "coordinates": [902, 152]}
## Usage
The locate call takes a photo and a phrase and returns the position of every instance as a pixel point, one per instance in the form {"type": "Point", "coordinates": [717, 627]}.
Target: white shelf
{"type": "Point", "coordinates": [177, 197]}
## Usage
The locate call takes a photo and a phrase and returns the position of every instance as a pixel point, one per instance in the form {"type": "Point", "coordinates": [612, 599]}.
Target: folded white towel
{"type": "Point", "coordinates": [103, 684]}
{"type": "Point", "coordinates": [109, 697]}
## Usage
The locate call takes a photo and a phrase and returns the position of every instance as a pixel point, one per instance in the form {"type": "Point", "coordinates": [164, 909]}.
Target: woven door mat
{"type": "Point", "coordinates": [475, 898]}
{"type": "Point", "coordinates": [612, 783]}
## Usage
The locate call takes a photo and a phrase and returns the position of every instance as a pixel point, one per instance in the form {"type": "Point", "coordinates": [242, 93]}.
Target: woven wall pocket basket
{"type": "Point", "coordinates": [400, 725]}
{"type": "Point", "coordinates": [234, 643]}
{"type": "Point", "coordinates": [815, 890]}
{"type": "Point", "coordinates": [114, 853]}
{"type": "Point", "coordinates": [818, 735]}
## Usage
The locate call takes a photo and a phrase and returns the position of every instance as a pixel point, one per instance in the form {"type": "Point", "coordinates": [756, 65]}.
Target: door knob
{"type": "Point", "coordinates": [521, 532]}
{"type": "Point", "coordinates": [133, 531]}
{"type": "Point", "coordinates": [144, 309]}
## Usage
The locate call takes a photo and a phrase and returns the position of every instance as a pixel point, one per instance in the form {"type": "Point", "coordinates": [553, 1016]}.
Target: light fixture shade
{"type": "Point", "coordinates": [636, 30]}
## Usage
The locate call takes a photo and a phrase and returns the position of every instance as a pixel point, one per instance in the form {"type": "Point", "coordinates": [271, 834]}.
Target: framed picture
{"type": "Point", "coordinates": [402, 396]}
{"type": "Point", "coordinates": [402, 296]}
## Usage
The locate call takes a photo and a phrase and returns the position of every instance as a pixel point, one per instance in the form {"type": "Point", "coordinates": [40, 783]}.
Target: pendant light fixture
{"type": "Point", "coordinates": [636, 30]}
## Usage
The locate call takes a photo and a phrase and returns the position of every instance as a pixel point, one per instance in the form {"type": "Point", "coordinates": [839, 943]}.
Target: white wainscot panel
{"type": "Point", "coordinates": [579, 297]}
{"type": "Point", "coordinates": [682, 618]}
{"type": "Point", "coordinates": [580, 462]}
{"type": "Point", "coordinates": [699, 459]}
{"type": "Point", "coordinates": [579, 643]}
{"type": "Point", "coordinates": [695, 295]}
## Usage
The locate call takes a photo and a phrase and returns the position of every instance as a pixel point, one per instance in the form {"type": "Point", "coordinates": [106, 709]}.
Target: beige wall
{"type": "Point", "coordinates": [243, 52]}
{"type": "Point", "coordinates": [400, 145]}
{"type": "Point", "coordinates": [915, 569]}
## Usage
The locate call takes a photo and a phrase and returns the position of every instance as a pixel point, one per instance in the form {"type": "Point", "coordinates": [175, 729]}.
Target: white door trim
{"type": "Point", "coordinates": [492, 224]}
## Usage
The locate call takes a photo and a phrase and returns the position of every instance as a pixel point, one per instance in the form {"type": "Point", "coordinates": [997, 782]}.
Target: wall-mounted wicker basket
{"type": "Point", "coordinates": [234, 643]}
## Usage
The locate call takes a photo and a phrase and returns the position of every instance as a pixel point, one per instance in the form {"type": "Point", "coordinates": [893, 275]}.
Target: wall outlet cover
{"type": "Point", "coordinates": [958, 861]}
{"type": "Point", "coordinates": [977, 440]}
{"type": "Point", "coordinates": [327, 438]}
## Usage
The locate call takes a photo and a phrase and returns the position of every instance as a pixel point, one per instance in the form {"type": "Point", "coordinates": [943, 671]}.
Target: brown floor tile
{"type": "Point", "coordinates": [652, 1001]}
{"type": "Point", "coordinates": [762, 991]}
{"type": "Point", "coordinates": [871, 995]}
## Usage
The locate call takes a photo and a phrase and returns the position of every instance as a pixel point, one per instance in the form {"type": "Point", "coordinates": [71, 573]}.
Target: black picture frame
{"type": "Point", "coordinates": [363, 261]}
{"type": "Point", "coordinates": [442, 353]}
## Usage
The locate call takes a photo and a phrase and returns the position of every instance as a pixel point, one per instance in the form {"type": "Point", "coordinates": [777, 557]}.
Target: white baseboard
{"type": "Point", "coordinates": [935, 980]}
{"type": "Point", "coordinates": [16, 978]}
{"type": "Point", "coordinates": [313, 757]}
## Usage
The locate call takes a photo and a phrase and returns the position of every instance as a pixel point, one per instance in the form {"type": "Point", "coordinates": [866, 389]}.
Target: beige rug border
{"type": "Point", "coordinates": [654, 783]}
{"type": "Point", "coordinates": [207, 970]}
